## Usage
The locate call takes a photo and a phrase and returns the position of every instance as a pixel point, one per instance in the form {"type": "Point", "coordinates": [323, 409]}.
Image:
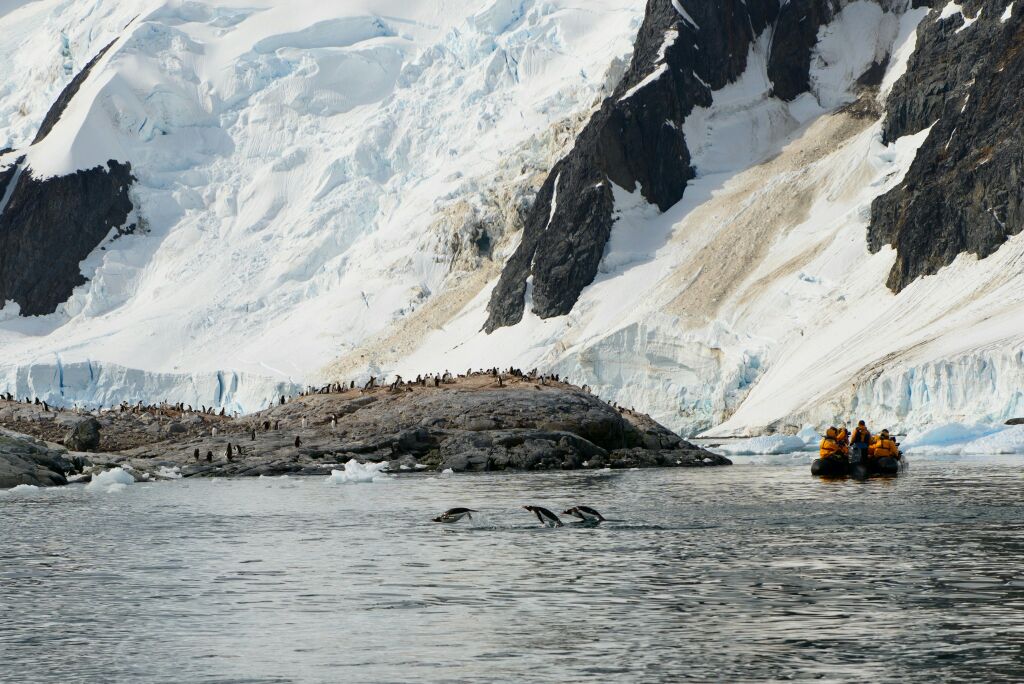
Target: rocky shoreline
{"type": "Point", "coordinates": [471, 424]}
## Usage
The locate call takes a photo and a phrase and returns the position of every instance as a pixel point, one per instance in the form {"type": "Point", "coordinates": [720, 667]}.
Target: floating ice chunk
{"type": "Point", "coordinates": [947, 435]}
{"type": "Point", "coordinates": [1007, 441]}
{"type": "Point", "coordinates": [810, 436]}
{"type": "Point", "coordinates": [356, 472]}
{"type": "Point", "coordinates": [768, 444]}
{"type": "Point", "coordinates": [172, 473]}
{"type": "Point", "coordinates": [20, 490]}
{"type": "Point", "coordinates": [110, 479]}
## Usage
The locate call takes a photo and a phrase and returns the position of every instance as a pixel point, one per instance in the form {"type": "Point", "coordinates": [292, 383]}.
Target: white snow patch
{"type": "Point", "coordinates": [968, 21]}
{"type": "Point", "coordinates": [951, 8]}
{"type": "Point", "coordinates": [1007, 14]}
{"type": "Point", "coordinates": [861, 34]}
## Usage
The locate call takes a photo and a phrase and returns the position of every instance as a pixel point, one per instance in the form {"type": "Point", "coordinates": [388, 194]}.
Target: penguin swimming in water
{"type": "Point", "coordinates": [455, 515]}
{"type": "Point", "coordinates": [546, 517]}
{"type": "Point", "coordinates": [586, 514]}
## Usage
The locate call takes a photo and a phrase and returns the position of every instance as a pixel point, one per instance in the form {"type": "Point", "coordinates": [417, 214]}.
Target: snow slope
{"type": "Point", "coordinates": [754, 304]}
{"type": "Point", "coordinates": [338, 184]}
{"type": "Point", "coordinates": [308, 172]}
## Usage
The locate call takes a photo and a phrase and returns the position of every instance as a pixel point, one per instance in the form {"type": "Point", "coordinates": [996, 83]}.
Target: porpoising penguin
{"type": "Point", "coordinates": [546, 517]}
{"type": "Point", "coordinates": [585, 513]}
{"type": "Point", "coordinates": [455, 515]}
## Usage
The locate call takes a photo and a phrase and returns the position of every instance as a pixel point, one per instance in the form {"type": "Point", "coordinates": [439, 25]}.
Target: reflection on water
{"type": "Point", "coordinates": [729, 574]}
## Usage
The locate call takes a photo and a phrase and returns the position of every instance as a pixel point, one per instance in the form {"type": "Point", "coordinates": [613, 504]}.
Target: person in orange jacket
{"type": "Point", "coordinates": [843, 440]}
{"type": "Point", "coordinates": [829, 445]}
{"type": "Point", "coordinates": [884, 447]}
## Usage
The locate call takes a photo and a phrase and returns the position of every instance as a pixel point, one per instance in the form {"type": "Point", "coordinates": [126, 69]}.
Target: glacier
{"type": "Point", "coordinates": [330, 192]}
{"type": "Point", "coordinates": [308, 172]}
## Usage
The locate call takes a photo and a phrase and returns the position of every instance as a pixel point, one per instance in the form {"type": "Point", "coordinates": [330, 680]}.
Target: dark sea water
{"type": "Point", "coordinates": [747, 573]}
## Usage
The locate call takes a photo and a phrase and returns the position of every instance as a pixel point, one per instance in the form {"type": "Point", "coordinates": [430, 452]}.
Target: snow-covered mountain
{"type": "Point", "coordinates": [732, 215]}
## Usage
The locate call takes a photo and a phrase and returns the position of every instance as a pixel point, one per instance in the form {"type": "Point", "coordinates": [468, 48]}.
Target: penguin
{"type": "Point", "coordinates": [209, 457]}
{"type": "Point", "coordinates": [195, 454]}
{"type": "Point", "coordinates": [305, 423]}
{"type": "Point", "coordinates": [298, 442]}
{"type": "Point", "coordinates": [585, 513]}
{"type": "Point", "coordinates": [455, 515]}
{"type": "Point", "coordinates": [213, 432]}
{"type": "Point", "coordinates": [546, 517]}
{"type": "Point", "coordinates": [229, 452]}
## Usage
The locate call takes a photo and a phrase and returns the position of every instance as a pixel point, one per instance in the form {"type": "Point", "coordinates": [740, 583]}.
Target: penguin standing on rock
{"type": "Point", "coordinates": [546, 517]}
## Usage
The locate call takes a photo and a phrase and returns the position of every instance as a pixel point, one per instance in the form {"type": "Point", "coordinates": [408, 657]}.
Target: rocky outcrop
{"type": "Point", "coordinates": [50, 225]}
{"type": "Point", "coordinates": [635, 141]}
{"type": "Point", "coordinates": [963, 190]}
{"type": "Point", "coordinates": [25, 461]}
{"type": "Point", "coordinates": [472, 424]}
{"type": "Point", "coordinates": [685, 50]}
{"type": "Point", "coordinates": [796, 34]}
{"type": "Point", "coordinates": [84, 436]}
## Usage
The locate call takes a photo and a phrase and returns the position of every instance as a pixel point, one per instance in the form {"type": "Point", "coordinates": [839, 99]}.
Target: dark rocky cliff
{"type": "Point", "coordinates": [49, 225]}
{"type": "Point", "coordinates": [636, 139]}
{"type": "Point", "coordinates": [965, 190]}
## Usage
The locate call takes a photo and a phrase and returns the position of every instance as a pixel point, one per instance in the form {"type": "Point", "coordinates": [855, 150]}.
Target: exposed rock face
{"type": "Point", "coordinates": [634, 141]}
{"type": "Point", "coordinates": [84, 436]}
{"type": "Point", "coordinates": [68, 94]}
{"type": "Point", "coordinates": [49, 225]}
{"type": "Point", "coordinates": [965, 190]}
{"type": "Point", "coordinates": [28, 462]}
{"type": "Point", "coordinates": [796, 33]}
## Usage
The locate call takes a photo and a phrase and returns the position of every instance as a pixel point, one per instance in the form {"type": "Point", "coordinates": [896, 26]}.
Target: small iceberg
{"type": "Point", "coordinates": [113, 480]}
{"type": "Point", "coordinates": [956, 439]}
{"type": "Point", "coordinates": [356, 472]}
{"type": "Point", "coordinates": [765, 446]}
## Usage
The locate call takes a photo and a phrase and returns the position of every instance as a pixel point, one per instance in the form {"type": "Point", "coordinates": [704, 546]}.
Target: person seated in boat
{"type": "Point", "coordinates": [861, 437]}
{"type": "Point", "coordinates": [843, 441]}
{"type": "Point", "coordinates": [884, 447]}
{"type": "Point", "coordinates": [829, 446]}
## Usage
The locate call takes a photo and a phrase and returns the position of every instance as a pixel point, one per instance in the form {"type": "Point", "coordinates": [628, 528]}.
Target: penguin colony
{"type": "Point", "coordinates": [399, 384]}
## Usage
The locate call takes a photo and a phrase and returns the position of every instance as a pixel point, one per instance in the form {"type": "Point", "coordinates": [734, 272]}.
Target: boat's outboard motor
{"type": "Point", "coordinates": [858, 461]}
{"type": "Point", "coordinates": [888, 466]}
